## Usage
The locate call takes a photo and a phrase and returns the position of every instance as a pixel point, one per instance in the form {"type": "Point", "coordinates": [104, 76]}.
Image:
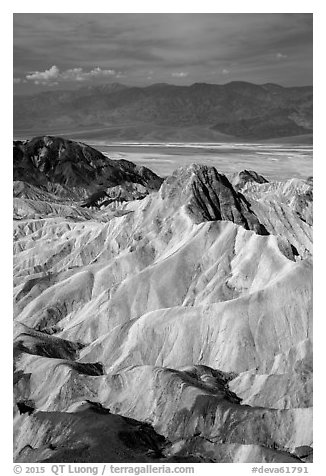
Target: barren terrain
{"type": "Point", "coordinates": [162, 320]}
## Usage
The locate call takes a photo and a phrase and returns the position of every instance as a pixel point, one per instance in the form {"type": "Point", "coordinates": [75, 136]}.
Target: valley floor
{"type": "Point", "coordinates": [274, 161]}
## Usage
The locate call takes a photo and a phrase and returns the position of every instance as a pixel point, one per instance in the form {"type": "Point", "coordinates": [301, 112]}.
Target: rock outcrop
{"type": "Point", "coordinates": [208, 196]}
{"type": "Point", "coordinates": [240, 179]}
{"type": "Point", "coordinates": [73, 169]}
{"type": "Point", "coordinates": [86, 433]}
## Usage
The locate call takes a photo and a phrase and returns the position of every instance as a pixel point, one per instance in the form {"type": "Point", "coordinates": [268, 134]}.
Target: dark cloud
{"type": "Point", "coordinates": [203, 47]}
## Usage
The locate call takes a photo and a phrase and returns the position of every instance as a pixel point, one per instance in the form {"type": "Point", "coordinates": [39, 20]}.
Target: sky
{"type": "Point", "coordinates": [70, 50]}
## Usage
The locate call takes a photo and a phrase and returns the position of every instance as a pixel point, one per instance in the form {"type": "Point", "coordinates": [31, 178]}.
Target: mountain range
{"type": "Point", "coordinates": [159, 320]}
{"type": "Point", "coordinates": [203, 112]}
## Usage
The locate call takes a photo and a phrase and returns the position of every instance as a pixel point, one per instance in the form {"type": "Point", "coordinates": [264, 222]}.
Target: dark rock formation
{"type": "Point", "coordinates": [46, 161]}
{"type": "Point", "coordinates": [91, 434]}
{"type": "Point", "coordinates": [119, 194]}
{"type": "Point", "coordinates": [239, 180]}
{"type": "Point", "coordinates": [209, 196]}
{"type": "Point", "coordinates": [26, 407]}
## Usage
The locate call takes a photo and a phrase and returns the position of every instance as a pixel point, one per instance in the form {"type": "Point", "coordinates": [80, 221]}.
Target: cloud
{"type": "Point", "coordinates": [46, 83]}
{"type": "Point", "coordinates": [53, 76]}
{"type": "Point", "coordinates": [281, 56]}
{"type": "Point", "coordinates": [99, 73]}
{"type": "Point", "coordinates": [17, 80]}
{"type": "Point", "coordinates": [180, 74]}
{"type": "Point", "coordinates": [225, 71]}
{"type": "Point", "coordinates": [44, 76]}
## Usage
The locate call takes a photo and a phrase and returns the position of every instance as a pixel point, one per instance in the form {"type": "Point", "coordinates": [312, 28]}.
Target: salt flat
{"type": "Point", "coordinates": [274, 161]}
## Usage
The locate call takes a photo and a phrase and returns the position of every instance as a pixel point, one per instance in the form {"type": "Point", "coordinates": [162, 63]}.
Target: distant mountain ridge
{"type": "Point", "coordinates": [236, 109]}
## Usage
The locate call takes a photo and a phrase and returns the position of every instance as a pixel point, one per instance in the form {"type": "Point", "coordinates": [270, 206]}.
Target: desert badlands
{"type": "Point", "coordinates": [159, 320]}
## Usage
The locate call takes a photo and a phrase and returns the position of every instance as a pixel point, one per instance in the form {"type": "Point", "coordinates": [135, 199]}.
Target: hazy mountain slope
{"type": "Point", "coordinates": [237, 109]}
{"type": "Point", "coordinates": [189, 309]}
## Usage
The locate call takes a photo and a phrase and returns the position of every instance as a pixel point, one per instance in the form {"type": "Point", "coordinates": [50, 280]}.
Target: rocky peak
{"type": "Point", "coordinates": [208, 196]}
{"type": "Point", "coordinates": [46, 160]}
{"type": "Point", "coordinates": [240, 179]}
